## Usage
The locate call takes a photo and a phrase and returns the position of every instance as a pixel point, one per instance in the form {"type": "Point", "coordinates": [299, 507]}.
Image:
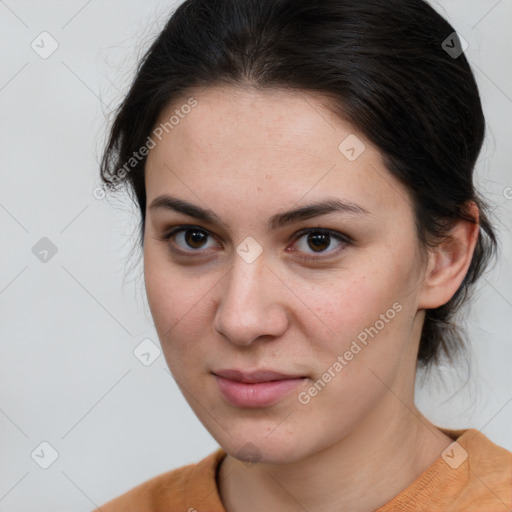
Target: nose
{"type": "Point", "coordinates": [252, 303]}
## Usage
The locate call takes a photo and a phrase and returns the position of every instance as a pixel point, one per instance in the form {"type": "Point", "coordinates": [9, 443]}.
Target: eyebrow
{"type": "Point", "coordinates": [330, 205]}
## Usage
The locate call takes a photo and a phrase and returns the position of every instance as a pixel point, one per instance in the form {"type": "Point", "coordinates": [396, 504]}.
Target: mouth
{"type": "Point", "coordinates": [256, 389]}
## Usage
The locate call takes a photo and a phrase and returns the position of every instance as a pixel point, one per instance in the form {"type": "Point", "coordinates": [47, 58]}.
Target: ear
{"type": "Point", "coordinates": [449, 262]}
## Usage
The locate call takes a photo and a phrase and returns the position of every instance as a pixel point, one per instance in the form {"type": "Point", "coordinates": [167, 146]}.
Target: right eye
{"type": "Point", "coordinates": [188, 239]}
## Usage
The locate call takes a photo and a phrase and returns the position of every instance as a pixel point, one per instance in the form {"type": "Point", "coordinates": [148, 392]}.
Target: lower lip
{"type": "Point", "coordinates": [257, 394]}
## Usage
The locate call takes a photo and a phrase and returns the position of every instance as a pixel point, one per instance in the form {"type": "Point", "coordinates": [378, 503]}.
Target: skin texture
{"type": "Point", "coordinates": [247, 155]}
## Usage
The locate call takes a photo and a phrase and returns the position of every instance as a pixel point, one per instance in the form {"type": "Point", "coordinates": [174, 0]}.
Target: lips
{"type": "Point", "coordinates": [256, 376]}
{"type": "Point", "coordinates": [256, 389]}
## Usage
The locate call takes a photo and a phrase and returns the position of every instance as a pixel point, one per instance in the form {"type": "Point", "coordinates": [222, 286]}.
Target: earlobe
{"type": "Point", "coordinates": [449, 261]}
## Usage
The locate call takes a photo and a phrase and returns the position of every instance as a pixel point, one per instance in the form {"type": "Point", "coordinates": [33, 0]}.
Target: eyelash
{"type": "Point", "coordinates": [344, 239]}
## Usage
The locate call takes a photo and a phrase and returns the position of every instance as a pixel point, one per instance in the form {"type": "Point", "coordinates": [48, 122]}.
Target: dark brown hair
{"type": "Point", "coordinates": [394, 69]}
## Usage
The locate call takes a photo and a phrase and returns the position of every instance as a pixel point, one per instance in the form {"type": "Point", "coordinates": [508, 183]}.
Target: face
{"type": "Point", "coordinates": [328, 296]}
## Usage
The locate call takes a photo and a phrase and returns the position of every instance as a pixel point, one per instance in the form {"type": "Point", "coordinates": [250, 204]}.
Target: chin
{"type": "Point", "coordinates": [253, 449]}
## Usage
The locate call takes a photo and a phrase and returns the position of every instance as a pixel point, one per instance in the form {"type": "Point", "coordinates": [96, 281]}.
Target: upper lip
{"type": "Point", "coordinates": [255, 376]}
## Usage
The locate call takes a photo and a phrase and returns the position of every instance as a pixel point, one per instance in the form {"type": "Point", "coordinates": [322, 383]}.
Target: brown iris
{"type": "Point", "coordinates": [320, 241]}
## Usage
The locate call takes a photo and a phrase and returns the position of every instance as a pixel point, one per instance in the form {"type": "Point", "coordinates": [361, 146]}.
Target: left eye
{"type": "Point", "coordinates": [319, 240]}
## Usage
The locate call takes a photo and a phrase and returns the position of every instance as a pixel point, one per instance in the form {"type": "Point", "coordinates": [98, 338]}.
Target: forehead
{"type": "Point", "coordinates": [227, 116]}
{"type": "Point", "coordinates": [249, 140]}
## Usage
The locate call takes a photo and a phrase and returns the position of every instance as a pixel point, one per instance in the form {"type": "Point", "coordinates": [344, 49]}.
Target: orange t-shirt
{"type": "Point", "coordinates": [472, 475]}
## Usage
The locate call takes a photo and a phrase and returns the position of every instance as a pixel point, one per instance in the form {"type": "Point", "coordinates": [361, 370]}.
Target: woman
{"type": "Point", "coordinates": [310, 227]}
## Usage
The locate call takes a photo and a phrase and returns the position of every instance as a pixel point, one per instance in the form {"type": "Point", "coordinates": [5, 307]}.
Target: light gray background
{"type": "Point", "coordinates": [69, 326]}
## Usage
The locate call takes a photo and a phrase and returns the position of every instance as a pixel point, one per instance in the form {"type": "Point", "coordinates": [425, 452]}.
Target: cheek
{"type": "Point", "coordinates": [179, 307]}
{"type": "Point", "coordinates": [371, 309]}
{"type": "Point", "coordinates": [352, 306]}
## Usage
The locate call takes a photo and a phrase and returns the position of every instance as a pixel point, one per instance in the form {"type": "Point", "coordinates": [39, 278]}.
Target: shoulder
{"type": "Point", "coordinates": [173, 490]}
{"type": "Point", "coordinates": [472, 474]}
{"type": "Point", "coordinates": [489, 471]}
